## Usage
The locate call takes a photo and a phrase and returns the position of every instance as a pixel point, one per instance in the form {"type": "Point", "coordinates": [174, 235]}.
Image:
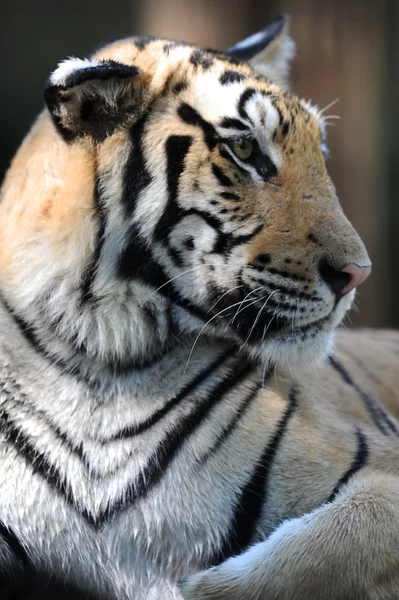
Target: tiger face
{"type": "Point", "coordinates": [213, 210]}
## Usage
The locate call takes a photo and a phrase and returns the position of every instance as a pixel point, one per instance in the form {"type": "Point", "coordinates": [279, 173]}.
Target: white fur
{"type": "Point", "coordinates": [65, 69]}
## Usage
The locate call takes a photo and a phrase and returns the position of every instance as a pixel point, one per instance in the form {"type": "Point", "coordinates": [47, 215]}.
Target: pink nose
{"type": "Point", "coordinates": [357, 276]}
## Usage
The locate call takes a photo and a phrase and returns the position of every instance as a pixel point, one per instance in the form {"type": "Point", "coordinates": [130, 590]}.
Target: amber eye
{"type": "Point", "coordinates": [243, 148]}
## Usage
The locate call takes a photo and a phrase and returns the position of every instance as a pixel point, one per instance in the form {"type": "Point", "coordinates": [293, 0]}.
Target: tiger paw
{"type": "Point", "coordinates": [214, 584]}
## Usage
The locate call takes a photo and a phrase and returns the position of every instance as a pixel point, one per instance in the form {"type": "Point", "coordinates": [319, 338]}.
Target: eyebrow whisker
{"type": "Point", "coordinates": [323, 110]}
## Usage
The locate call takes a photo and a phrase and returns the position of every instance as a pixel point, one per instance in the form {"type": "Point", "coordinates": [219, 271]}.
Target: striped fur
{"type": "Point", "coordinates": [162, 301]}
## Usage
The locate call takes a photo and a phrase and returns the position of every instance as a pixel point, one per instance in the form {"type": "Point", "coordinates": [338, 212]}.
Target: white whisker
{"type": "Point", "coordinates": [323, 110]}
{"type": "Point", "coordinates": [223, 295]}
{"type": "Point", "coordinates": [257, 318]}
{"type": "Point", "coordinates": [206, 324]}
{"type": "Point", "coordinates": [266, 328]}
{"type": "Point", "coordinates": [238, 309]}
{"type": "Point", "coordinates": [173, 279]}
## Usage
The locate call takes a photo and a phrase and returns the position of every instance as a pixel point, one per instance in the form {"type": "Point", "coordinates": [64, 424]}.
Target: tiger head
{"type": "Point", "coordinates": [169, 191]}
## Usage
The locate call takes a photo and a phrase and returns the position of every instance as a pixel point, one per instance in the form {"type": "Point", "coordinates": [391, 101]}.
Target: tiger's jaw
{"type": "Point", "coordinates": [269, 339]}
{"type": "Point", "coordinates": [302, 344]}
{"type": "Point", "coordinates": [269, 335]}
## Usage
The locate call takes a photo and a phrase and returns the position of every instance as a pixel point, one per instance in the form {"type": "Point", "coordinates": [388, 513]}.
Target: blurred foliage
{"type": "Point", "coordinates": [345, 50]}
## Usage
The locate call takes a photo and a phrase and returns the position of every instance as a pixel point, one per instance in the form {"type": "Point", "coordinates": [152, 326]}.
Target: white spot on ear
{"type": "Point", "coordinates": [65, 69]}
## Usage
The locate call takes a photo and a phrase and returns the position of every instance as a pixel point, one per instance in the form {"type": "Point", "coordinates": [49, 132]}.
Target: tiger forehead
{"type": "Point", "coordinates": [175, 65]}
{"type": "Point", "coordinates": [149, 52]}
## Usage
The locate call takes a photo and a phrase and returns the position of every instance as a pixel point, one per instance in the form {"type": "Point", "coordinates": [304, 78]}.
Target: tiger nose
{"type": "Point", "coordinates": [358, 275]}
{"type": "Point", "coordinates": [344, 280]}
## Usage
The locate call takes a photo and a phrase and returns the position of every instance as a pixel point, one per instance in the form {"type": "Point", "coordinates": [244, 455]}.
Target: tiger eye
{"type": "Point", "coordinates": [243, 148]}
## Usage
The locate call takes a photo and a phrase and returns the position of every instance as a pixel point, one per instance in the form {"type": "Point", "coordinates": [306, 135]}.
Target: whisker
{"type": "Point", "coordinates": [225, 294]}
{"type": "Point", "coordinates": [245, 307]}
{"type": "Point", "coordinates": [238, 309]}
{"type": "Point", "coordinates": [257, 318]}
{"type": "Point", "coordinates": [176, 277]}
{"type": "Point", "coordinates": [323, 110]}
{"type": "Point", "coordinates": [265, 330]}
{"type": "Point", "coordinates": [202, 329]}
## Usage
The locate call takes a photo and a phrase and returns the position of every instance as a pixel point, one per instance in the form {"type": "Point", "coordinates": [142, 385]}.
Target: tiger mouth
{"type": "Point", "coordinates": [273, 327]}
{"type": "Point", "coordinates": [310, 329]}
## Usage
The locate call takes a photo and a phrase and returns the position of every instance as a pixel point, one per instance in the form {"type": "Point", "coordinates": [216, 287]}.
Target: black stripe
{"type": "Point", "coordinates": [232, 60]}
{"type": "Point", "coordinates": [143, 40]}
{"type": "Point", "coordinates": [245, 96]}
{"type": "Point", "coordinates": [254, 494]}
{"type": "Point", "coordinates": [42, 417]}
{"type": "Point", "coordinates": [285, 128]}
{"type": "Point", "coordinates": [173, 45]}
{"type": "Point", "coordinates": [263, 164]}
{"type": "Point", "coordinates": [174, 440]}
{"type": "Point", "coordinates": [378, 414]}
{"type": "Point", "coordinates": [231, 123]}
{"type": "Point", "coordinates": [221, 176]}
{"type": "Point", "coordinates": [230, 76]}
{"type": "Point", "coordinates": [134, 430]}
{"type": "Point", "coordinates": [36, 459]}
{"type": "Point", "coordinates": [211, 220]}
{"type": "Point", "coordinates": [91, 270]}
{"type": "Point", "coordinates": [28, 332]}
{"type": "Point", "coordinates": [361, 457]}
{"type": "Point", "coordinates": [136, 176]}
{"type": "Point", "coordinates": [189, 115]}
{"type": "Point", "coordinates": [40, 465]}
{"type": "Point", "coordinates": [201, 58]}
{"type": "Point", "coordinates": [177, 147]}
{"type": "Point", "coordinates": [232, 426]}
{"type": "Point", "coordinates": [180, 86]}
{"type": "Point", "coordinates": [224, 243]}
{"type": "Point", "coordinates": [229, 196]}
{"type": "Point", "coordinates": [247, 237]}
{"type": "Point", "coordinates": [280, 114]}
{"type": "Point", "coordinates": [288, 275]}
{"type": "Point", "coordinates": [157, 464]}
{"type": "Point", "coordinates": [116, 368]}
{"type": "Point", "coordinates": [291, 292]}
{"type": "Point", "coordinates": [227, 241]}
{"type": "Point", "coordinates": [15, 546]}
{"type": "Point", "coordinates": [136, 261]}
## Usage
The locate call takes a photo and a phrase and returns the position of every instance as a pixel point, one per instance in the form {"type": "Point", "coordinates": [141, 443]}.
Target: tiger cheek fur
{"type": "Point", "coordinates": [172, 249]}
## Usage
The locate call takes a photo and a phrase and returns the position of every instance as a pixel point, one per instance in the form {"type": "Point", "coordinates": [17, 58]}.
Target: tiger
{"type": "Point", "coordinates": [181, 417]}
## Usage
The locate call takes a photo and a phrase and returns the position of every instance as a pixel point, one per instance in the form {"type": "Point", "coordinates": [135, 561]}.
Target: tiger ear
{"type": "Point", "coordinates": [269, 51]}
{"type": "Point", "coordinates": [93, 98]}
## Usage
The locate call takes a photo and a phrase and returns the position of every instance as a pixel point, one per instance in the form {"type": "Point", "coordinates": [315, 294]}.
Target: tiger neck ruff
{"type": "Point", "coordinates": [173, 254]}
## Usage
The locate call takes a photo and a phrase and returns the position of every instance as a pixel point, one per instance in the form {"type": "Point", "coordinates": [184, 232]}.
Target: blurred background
{"type": "Point", "coordinates": [345, 50]}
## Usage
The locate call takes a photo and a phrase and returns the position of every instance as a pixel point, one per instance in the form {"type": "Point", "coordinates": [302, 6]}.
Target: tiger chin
{"type": "Point", "coordinates": [172, 254]}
